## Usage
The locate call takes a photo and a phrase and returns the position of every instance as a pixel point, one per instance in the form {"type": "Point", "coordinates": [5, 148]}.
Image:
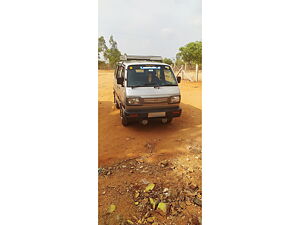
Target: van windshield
{"type": "Point", "coordinates": [150, 76]}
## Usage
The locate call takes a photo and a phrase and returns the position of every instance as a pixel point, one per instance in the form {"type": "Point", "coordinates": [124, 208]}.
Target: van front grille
{"type": "Point", "coordinates": [155, 100]}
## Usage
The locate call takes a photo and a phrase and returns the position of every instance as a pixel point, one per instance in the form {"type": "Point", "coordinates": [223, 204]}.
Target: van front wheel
{"type": "Point", "coordinates": [123, 118]}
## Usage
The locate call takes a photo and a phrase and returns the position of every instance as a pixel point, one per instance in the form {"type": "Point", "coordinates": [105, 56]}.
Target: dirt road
{"type": "Point", "coordinates": [119, 143]}
{"type": "Point", "coordinates": [133, 157]}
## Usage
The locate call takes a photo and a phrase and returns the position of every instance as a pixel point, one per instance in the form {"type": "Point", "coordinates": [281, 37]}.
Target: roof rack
{"type": "Point", "coordinates": [139, 57]}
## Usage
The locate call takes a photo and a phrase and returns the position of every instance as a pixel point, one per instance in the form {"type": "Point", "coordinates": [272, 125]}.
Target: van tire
{"type": "Point", "coordinates": [124, 120]}
{"type": "Point", "coordinates": [116, 102]}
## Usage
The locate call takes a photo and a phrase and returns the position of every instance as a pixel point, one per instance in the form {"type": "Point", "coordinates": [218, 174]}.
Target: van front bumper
{"type": "Point", "coordinates": [148, 113]}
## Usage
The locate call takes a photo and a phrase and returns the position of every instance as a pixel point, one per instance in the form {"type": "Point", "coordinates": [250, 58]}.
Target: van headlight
{"type": "Point", "coordinates": [134, 101]}
{"type": "Point", "coordinates": [174, 99]}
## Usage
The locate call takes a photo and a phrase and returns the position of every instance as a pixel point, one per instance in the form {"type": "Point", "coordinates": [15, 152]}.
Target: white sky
{"type": "Point", "coordinates": [150, 27]}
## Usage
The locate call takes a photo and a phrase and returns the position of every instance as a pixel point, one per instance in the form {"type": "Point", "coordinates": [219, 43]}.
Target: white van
{"type": "Point", "coordinates": [145, 88]}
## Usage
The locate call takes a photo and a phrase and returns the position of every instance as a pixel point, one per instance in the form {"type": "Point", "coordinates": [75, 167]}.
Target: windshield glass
{"type": "Point", "coordinates": [150, 76]}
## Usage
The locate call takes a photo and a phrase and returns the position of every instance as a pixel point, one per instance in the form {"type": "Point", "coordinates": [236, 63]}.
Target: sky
{"type": "Point", "coordinates": [150, 27]}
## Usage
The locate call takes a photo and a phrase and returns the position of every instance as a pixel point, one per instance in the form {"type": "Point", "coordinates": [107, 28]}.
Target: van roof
{"type": "Point", "coordinates": [129, 63]}
{"type": "Point", "coordinates": [150, 58]}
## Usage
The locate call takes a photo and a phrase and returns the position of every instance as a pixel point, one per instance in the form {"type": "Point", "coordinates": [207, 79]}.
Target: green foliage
{"type": "Point", "coordinates": [111, 54]}
{"type": "Point", "coordinates": [179, 61]}
{"type": "Point", "coordinates": [149, 187]}
{"type": "Point", "coordinates": [113, 43]}
{"type": "Point", "coordinates": [101, 45]}
{"type": "Point", "coordinates": [168, 61]}
{"type": "Point", "coordinates": [111, 208]}
{"type": "Point", "coordinates": [192, 53]}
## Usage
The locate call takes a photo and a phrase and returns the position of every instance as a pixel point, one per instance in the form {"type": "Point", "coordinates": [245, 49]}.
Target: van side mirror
{"type": "Point", "coordinates": [120, 80]}
{"type": "Point", "coordinates": [178, 79]}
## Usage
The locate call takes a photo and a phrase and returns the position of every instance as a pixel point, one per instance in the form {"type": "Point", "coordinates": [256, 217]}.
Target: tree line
{"type": "Point", "coordinates": [190, 54]}
{"type": "Point", "coordinates": [112, 54]}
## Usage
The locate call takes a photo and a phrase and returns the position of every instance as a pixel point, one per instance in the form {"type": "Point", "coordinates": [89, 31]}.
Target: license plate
{"type": "Point", "coordinates": [157, 114]}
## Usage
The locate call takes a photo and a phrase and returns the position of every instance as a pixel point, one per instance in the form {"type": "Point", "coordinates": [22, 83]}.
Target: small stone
{"type": "Point", "coordinates": [103, 192]}
{"type": "Point", "coordinates": [124, 166]}
{"type": "Point", "coordinates": [136, 203]}
{"type": "Point", "coordinates": [127, 139]}
{"type": "Point", "coordinates": [131, 171]}
{"type": "Point", "coordinates": [165, 190]}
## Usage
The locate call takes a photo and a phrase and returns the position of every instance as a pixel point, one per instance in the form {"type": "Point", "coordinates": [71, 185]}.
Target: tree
{"type": "Point", "coordinates": [192, 53]}
{"type": "Point", "coordinates": [113, 43]}
{"type": "Point", "coordinates": [168, 61]}
{"type": "Point", "coordinates": [179, 61]}
{"type": "Point", "coordinates": [101, 45]}
{"type": "Point", "coordinates": [112, 54]}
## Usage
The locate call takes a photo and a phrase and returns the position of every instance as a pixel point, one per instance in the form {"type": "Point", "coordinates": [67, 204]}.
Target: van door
{"type": "Point", "coordinates": [118, 87]}
{"type": "Point", "coordinates": [122, 88]}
